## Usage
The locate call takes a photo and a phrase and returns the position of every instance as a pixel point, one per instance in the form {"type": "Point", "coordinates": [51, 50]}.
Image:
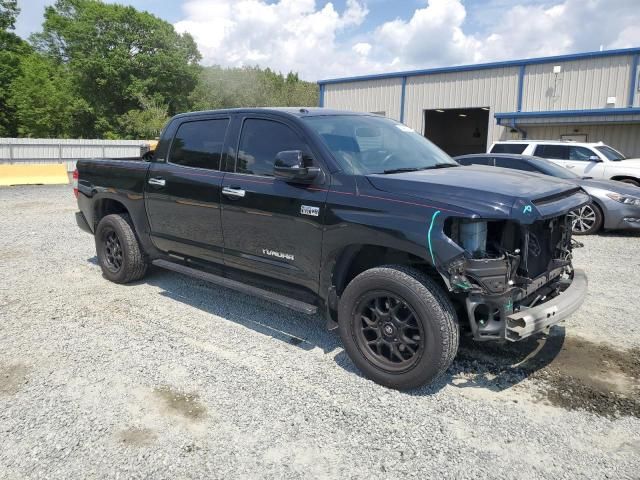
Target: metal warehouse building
{"type": "Point", "coordinates": [591, 97]}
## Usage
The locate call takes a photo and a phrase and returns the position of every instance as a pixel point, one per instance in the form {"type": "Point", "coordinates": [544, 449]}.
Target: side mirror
{"type": "Point", "coordinates": [594, 158]}
{"type": "Point", "coordinates": [290, 166]}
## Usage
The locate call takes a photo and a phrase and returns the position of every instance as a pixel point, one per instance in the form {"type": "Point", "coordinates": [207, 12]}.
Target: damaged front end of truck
{"type": "Point", "coordinates": [514, 277]}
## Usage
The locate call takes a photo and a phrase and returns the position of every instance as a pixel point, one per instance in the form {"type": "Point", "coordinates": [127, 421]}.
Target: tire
{"type": "Point", "coordinates": [586, 220]}
{"type": "Point", "coordinates": [427, 322]}
{"type": "Point", "coordinates": [631, 181]}
{"type": "Point", "coordinates": [119, 252]}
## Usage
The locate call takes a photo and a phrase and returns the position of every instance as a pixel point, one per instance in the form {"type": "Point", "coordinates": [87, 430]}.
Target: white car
{"type": "Point", "coordinates": [595, 160]}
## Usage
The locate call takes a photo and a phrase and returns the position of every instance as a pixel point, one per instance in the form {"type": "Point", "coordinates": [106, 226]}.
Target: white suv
{"type": "Point", "coordinates": [595, 160]}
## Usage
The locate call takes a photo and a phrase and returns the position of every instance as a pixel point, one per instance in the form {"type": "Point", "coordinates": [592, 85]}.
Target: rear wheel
{"type": "Point", "coordinates": [398, 326]}
{"type": "Point", "coordinates": [586, 220]}
{"type": "Point", "coordinates": [119, 252]}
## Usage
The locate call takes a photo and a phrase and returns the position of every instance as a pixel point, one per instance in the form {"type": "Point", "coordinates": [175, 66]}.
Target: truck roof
{"type": "Point", "coordinates": [293, 111]}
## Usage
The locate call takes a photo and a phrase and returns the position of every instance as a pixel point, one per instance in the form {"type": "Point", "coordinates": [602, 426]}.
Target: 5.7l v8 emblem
{"type": "Point", "coordinates": [311, 211]}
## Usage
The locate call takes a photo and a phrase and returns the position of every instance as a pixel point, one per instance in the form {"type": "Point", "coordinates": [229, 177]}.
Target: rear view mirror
{"type": "Point", "coordinates": [368, 132]}
{"type": "Point", "coordinates": [290, 166]}
{"type": "Point", "coordinates": [594, 158]}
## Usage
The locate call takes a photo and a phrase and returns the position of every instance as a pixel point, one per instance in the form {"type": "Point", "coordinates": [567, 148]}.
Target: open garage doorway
{"type": "Point", "coordinates": [458, 131]}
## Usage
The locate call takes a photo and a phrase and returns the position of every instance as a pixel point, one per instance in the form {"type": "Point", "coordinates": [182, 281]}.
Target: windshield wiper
{"type": "Point", "coordinates": [416, 169]}
{"type": "Point", "coordinates": [443, 165]}
{"type": "Point", "coordinates": [403, 169]}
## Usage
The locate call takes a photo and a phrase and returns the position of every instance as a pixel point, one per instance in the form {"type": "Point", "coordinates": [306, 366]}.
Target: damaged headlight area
{"type": "Point", "coordinates": [506, 267]}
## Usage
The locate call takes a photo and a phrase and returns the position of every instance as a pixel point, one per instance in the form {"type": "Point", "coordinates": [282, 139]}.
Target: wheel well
{"type": "Point", "coordinates": [598, 205]}
{"type": "Point", "coordinates": [107, 206]}
{"type": "Point", "coordinates": [619, 178]}
{"type": "Point", "coordinates": [355, 259]}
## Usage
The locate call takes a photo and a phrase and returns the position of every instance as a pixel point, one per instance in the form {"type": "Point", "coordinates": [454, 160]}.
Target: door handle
{"type": "Point", "coordinates": [157, 182]}
{"type": "Point", "coordinates": [233, 192]}
{"type": "Point", "coordinates": [571, 166]}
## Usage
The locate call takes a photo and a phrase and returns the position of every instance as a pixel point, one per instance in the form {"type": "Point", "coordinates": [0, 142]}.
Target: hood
{"type": "Point", "coordinates": [610, 186]}
{"type": "Point", "coordinates": [487, 191]}
{"type": "Point", "coordinates": [627, 163]}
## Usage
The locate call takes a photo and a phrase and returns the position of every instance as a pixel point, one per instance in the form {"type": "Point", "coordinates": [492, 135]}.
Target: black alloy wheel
{"type": "Point", "coordinates": [112, 250]}
{"type": "Point", "coordinates": [387, 331]}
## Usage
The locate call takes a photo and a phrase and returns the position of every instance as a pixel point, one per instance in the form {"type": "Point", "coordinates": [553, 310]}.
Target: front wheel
{"type": "Point", "coordinates": [586, 220]}
{"type": "Point", "coordinates": [398, 326]}
{"type": "Point", "coordinates": [119, 253]}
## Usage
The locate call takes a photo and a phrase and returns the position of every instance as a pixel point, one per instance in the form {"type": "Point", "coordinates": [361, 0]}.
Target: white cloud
{"type": "Point", "coordinates": [286, 35]}
{"type": "Point", "coordinates": [433, 35]}
{"type": "Point", "coordinates": [362, 48]}
{"type": "Point", "coordinates": [322, 42]}
{"type": "Point", "coordinates": [569, 26]}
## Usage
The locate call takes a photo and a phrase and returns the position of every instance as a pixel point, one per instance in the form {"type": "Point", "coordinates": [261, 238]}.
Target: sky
{"type": "Point", "coordinates": [320, 39]}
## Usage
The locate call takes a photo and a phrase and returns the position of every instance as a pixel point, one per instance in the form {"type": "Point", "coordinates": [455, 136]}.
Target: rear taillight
{"type": "Point", "coordinates": [75, 182]}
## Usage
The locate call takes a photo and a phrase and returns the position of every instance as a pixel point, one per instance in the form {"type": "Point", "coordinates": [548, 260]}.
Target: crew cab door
{"type": "Point", "coordinates": [182, 193]}
{"type": "Point", "coordinates": [580, 160]}
{"type": "Point", "coordinates": [272, 228]}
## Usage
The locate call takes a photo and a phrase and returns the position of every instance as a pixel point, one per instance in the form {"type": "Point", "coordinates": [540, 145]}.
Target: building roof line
{"type": "Point", "coordinates": [570, 113]}
{"type": "Point", "coordinates": [485, 66]}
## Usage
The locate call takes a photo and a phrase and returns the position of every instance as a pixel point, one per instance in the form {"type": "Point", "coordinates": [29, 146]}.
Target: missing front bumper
{"type": "Point", "coordinates": [526, 322]}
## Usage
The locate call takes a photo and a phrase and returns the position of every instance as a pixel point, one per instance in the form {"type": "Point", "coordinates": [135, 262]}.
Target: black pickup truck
{"type": "Point", "coordinates": [352, 215]}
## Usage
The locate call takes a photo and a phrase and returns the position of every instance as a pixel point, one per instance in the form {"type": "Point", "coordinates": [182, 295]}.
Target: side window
{"type": "Point", "coordinates": [580, 153]}
{"type": "Point", "coordinates": [474, 161]}
{"type": "Point", "coordinates": [199, 144]}
{"type": "Point", "coordinates": [515, 164]}
{"type": "Point", "coordinates": [260, 141]}
{"type": "Point", "coordinates": [556, 152]}
{"type": "Point", "coordinates": [517, 148]}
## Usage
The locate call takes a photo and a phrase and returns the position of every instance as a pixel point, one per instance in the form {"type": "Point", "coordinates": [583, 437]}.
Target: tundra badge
{"type": "Point", "coordinates": [273, 253]}
{"type": "Point", "coordinates": [312, 211]}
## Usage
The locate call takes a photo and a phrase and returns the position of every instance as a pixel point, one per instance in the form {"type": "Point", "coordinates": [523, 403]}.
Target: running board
{"type": "Point", "coordinates": [291, 303]}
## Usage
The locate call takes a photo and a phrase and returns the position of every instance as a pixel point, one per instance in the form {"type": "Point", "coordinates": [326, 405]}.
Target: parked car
{"type": "Point", "coordinates": [614, 205]}
{"type": "Point", "coordinates": [354, 216]}
{"type": "Point", "coordinates": [595, 160]}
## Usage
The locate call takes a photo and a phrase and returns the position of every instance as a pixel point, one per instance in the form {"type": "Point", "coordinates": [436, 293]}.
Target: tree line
{"type": "Point", "coordinates": [110, 71]}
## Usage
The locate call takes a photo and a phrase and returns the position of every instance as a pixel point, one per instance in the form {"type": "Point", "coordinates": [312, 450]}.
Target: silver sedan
{"type": "Point", "coordinates": [615, 205]}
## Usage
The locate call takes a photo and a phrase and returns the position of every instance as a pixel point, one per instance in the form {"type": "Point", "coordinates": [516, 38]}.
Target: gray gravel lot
{"type": "Point", "coordinates": [173, 378]}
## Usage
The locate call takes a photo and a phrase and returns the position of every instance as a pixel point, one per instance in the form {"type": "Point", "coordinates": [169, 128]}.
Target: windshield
{"type": "Point", "coordinates": [611, 154]}
{"type": "Point", "coordinates": [367, 144]}
{"type": "Point", "coordinates": [554, 170]}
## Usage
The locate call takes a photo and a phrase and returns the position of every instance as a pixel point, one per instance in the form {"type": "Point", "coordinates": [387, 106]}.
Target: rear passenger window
{"type": "Point", "coordinates": [556, 152]}
{"type": "Point", "coordinates": [199, 144]}
{"type": "Point", "coordinates": [509, 148]}
{"type": "Point", "coordinates": [261, 140]}
{"type": "Point", "coordinates": [515, 164]}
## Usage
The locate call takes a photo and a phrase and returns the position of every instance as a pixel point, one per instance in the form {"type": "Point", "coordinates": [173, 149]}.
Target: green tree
{"type": "Point", "coordinates": [251, 87]}
{"type": "Point", "coordinates": [146, 123]}
{"type": "Point", "coordinates": [117, 55]}
{"type": "Point", "coordinates": [12, 50]}
{"type": "Point", "coordinates": [8, 13]}
{"type": "Point", "coordinates": [44, 101]}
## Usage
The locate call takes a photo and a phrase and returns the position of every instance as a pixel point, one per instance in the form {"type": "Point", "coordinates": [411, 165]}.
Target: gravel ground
{"type": "Point", "coordinates": [173, 378]}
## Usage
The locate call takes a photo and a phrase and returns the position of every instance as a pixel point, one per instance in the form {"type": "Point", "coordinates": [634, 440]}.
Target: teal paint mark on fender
{"type": "Point", "coordinates": [433, 217]}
